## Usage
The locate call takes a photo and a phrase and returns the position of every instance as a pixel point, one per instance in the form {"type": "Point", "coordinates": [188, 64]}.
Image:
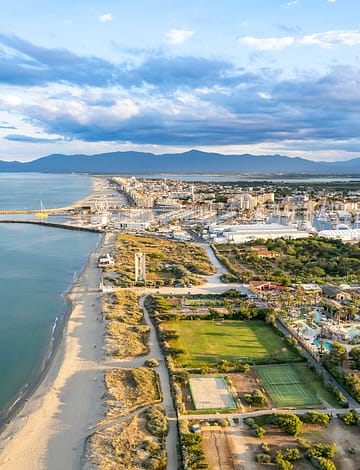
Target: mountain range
{"type": "Point", "coordinates": [193, 161]}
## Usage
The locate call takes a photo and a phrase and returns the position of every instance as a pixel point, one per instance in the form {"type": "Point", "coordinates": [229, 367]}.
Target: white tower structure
{"type": "Point", "coordinates": [140, 267]}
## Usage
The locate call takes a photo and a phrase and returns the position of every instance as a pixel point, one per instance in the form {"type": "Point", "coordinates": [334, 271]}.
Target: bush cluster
{"type": "Point", "coordinates": [156, 422]}
{"type": "Point", "coordinates": [256, 397]}
{"type": "Point", "coordinates": [193, 454]}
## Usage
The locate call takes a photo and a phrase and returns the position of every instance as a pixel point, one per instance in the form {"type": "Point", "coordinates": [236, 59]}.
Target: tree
{"type": "Point", "coordinates": [355, 356]}
{"type": "Point", "coordinates": [350, 417]}
{"type": "Point", "coordinates": [224, 365]}
{"type": "Point", "coordinates": [336, 355]}
{"type": "Point", "coordinates": [316, 418]}
{"type": "Point", "coordinates": [322, 463]}
{"type": "Point", "coordinates": [242, 366]}
{"type": "Point", "coordinates": [320, 450]}
{"type": "Point", "coordinates": [291, 454]}
{"type": "Point", "coordinates": [284, 465]}
{"type": "Point", "coordinates": [290, 423]}
{"type": "Point", "coordinates": [281, 462]}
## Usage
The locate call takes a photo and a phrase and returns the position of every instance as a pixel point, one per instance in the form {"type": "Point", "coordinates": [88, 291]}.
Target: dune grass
{"type": "Point", "coordinates": [167, 261]}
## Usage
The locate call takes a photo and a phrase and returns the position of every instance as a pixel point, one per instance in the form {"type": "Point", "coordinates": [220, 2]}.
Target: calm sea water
{"type": "Point", "coordinates": [38, 265]}
{"type": "Point", "coordinates": [24, 191]}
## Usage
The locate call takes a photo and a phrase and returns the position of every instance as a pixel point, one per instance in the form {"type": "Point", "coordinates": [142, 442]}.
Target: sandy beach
{"type": "Point", "coordinates": [49, 432]}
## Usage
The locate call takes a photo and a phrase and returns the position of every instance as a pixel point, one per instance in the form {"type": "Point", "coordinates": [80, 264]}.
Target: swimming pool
{"type": "Point", "coordinates": [326, 344]}
{"type": "Point", "coordinates": [353, 333]}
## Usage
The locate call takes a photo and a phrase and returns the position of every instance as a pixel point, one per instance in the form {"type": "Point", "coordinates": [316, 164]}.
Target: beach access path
{"type": "Point", "coordinates": [49, 431]}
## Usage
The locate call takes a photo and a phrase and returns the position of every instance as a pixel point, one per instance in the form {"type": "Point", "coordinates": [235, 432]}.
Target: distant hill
{"type": "Point", "coordinates": [192, 161]}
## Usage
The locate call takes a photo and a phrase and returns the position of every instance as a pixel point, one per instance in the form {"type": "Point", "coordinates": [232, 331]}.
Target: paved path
{"type": "Point", "coordinates": [250, 414]}
{"type": "Point", "coordinates": [172, 438]}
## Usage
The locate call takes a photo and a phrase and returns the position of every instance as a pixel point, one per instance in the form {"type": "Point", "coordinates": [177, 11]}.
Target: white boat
{"type": "Point", "coordinates": [42, 214]}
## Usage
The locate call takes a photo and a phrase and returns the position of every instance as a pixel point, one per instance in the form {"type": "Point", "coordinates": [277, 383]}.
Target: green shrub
{"type": "Point", "coordinates": [322, 450]}
{"type": "Point", "coordinates": [256, 397]}
{"type": "Point", "coordinates": [291, 454]}
{"type": "Point", "coordinates": [156, 422]}
{"type": "Point", "coordinates": [242, 367]}
{"type": "Point", "coordinates": [350, 417]}
{"type": "Point", "coordinates": [290, 423]}
{"type": "Point", "coordinates": [263, 458]}
{"type": "Point", "coordinates": [249, 421]}
{"type": "Point", "coordinates": [323, 464]}
{"type": "Point", "coordinates": [260, 432]}
{"type": "Point", "coordinates": [314, 417]}
{"type": "Point", "coordinates": [265, 448]}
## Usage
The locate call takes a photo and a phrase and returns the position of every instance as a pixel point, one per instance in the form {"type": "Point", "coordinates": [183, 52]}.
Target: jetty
{"type": "Point", "coordinates": [65, 225]}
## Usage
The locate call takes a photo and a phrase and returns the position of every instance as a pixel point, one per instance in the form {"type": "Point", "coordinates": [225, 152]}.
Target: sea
{"type": "Point", "coordinates": [38, 265]}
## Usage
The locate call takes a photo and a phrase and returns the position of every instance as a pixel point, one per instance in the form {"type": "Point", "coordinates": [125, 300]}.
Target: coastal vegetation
{"type": "Point", "coordinates": [303, 260]}
{"type": "Point", "coordinates": [137, 442]}
{"type": "Point", "coordinates": [127, 333]}
{"type": "Point", "coordinates": [334, 363]}
{"type": "Point", "coordinates": [130, 389]}
{"type": "Point", "coordinates": [191, 450]}
{"type": "Point", "coordinates": [168, 262]}
{"type": "Point", "coordinates": [127, 445]}
{"type": "Point", "coordinates": [318, 453]}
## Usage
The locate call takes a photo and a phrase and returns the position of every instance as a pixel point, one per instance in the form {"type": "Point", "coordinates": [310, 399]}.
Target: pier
{"type": "Point", "coordinates": [86, 228]}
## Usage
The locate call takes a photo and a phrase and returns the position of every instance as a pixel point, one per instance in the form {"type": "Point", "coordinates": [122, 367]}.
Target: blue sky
{"type": "Point", "coordinates": [237, 76]}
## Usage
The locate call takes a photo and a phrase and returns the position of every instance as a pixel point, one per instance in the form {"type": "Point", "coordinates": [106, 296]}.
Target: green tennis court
{"type": "Point", "coordinates": [285, 386]}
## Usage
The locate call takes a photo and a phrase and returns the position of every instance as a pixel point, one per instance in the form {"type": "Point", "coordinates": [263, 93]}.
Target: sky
{"type": "Point", "coordinates": [234, 77]}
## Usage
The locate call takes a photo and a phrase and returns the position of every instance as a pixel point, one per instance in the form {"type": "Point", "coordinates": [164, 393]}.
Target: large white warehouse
{"type": "Point", "coordinates": [346, 235]}
{"type": "Point", "coordinates": [221, 233]}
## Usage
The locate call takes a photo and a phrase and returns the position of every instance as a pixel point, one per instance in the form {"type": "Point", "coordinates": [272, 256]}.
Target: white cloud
{"type": "Point", "coordinates": [264, 95]}
{"type": "Point", "coordinates": [267, 44]}
{"type": "Point", "coordinates": [12, 100]}
{"type": "Point", "coordinates": [178, 36]}
{"type": "Point", "coordinates": [290, 4]}
{"type": "Point", "coordinates": [106, 17]}
{"type": "Point", "coordinates": [326, 39]}
{"type": "Point", "coordinates": [331, 1]}
{"type": "Point", "coordinates": [332, 38]}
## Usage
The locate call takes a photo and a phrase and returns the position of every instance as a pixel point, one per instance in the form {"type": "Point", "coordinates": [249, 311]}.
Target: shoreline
{"type": "Point", "coordinates": [38, 375]}
{"type": "Point", "coordinates": [30, 433]}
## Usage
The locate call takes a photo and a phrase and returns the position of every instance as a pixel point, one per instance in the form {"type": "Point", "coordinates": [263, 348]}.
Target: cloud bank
{"type": "Point", "coordinates": [164, 99]}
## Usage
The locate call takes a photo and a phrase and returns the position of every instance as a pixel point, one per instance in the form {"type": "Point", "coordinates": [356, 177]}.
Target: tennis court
{"type": "Point", "coordinates": [284, 385]}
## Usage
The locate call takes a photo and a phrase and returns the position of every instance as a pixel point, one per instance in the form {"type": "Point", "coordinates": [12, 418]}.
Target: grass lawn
{"type": "Point", "coordinates": [207, 342]}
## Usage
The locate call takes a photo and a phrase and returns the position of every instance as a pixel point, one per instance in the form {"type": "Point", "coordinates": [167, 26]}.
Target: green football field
{"type": "Point", "coordinates": [286, 386]}
{"type": "Point", "coordinates": [206, 342]}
